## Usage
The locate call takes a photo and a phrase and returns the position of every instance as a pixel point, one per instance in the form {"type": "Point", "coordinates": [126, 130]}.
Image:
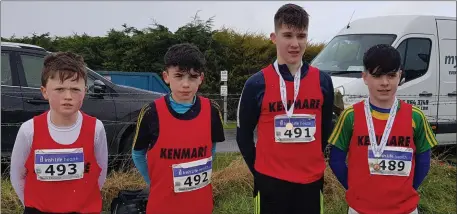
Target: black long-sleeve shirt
{"type": "Point", "coordinates": [251, 102]}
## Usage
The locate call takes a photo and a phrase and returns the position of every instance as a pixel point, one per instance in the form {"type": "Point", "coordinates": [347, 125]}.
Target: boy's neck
{"type": "Point", "coordinates": [387, 104]}
{"type": "Point", "coordinates": [190, 101]}
{"type": "Point", "coordinates": [63, 121]}
{"type": "Point", "coordinates": [292, 67]}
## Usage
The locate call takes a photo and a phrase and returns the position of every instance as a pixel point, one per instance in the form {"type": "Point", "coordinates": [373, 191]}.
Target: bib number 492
{"type": "Point", "coordinates": [297, 132]}
{"type": "Point", "coordinates": [196, 179]}
{"type": "Point", "coordinates": [61, 169]}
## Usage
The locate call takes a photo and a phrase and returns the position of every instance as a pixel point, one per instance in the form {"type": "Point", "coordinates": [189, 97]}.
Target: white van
{"type": "Point", "coordinates": [427, 45]}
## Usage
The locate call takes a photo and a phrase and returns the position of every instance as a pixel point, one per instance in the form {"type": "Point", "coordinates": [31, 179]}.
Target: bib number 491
{"type": "Point", "coordinates": [297, 132]}
{"type": "Point", "coordinates": [61, 169]}
{"type": "Point", "coordinates": [196, 179]}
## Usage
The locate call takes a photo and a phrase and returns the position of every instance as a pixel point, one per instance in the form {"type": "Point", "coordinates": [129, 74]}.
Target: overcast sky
{"type": "Point", "coordinates": [23, 18]}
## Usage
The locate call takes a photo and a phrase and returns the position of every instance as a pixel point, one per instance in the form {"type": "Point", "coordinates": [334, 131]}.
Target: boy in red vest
{"type": "Point", "coordinates": [59, 159]}
{"type": "Point", "coordinates": [290, 102]}
{"type": "Point", "coordinates": [177, 133]}
{"type": "Point", "coordinates": [388, 142]}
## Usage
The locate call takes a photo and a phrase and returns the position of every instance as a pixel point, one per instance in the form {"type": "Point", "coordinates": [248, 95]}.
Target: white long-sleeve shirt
{"type": "Point", "coordinates": [62, 135]}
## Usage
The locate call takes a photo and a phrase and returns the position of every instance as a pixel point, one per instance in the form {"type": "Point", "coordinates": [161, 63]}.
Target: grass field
{"type": "Point", "coordinates": [233, 185]}
{"type": "Point", "coordinates": [230, 125]}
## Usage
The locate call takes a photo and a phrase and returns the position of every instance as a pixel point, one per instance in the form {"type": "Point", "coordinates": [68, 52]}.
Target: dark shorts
{"type": "Point", "coordinates": [274, 196]}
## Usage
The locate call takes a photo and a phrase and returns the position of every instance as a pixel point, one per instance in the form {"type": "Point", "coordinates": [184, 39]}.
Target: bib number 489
{"type": "Point", "coordinates": [196, 179]}
{"type": "Point", "coordinates": [392, 165]}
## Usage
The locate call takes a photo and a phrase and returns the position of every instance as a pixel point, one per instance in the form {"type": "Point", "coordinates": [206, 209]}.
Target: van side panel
{"type": "Point", "coordinates": [447, 125]}
{"type": "Point", "coordinates": [422, 90]}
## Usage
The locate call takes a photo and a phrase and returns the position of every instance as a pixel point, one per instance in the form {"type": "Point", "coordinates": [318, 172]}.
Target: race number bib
{"type": "Point", "coordinates": [192, 175]}
{"type": "Point", "coordinates": [394, 161]}
{"type": "Point", "coordinates": [59, 164]}
{"type": "Point", "coordinates": [301, 129]}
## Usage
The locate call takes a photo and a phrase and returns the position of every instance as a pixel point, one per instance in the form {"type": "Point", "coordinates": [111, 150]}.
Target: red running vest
{"type": "Point", "coordinates": [82, 195]}
{"type": "Point", "coordinates": [376, 193]}
{"type": "Point", "coordinates": [176, 144]}
{"type": "Point", "coordinates": [294, 162]}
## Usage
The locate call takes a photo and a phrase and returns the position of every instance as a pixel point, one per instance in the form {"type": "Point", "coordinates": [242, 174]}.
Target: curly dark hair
{"type": "Point", "coordinates": [186, 56]}
{"type": "Point", "coordinates": [293, 16]}
{"type": "Point", "coordinates": [384, 57]}
{"type": "Point", "coordinates": [65, 64]}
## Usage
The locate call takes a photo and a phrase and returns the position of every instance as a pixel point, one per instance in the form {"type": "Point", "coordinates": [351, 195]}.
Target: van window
{"type": "Point", "coordinates": [415, 55]}
{"type": "Point", "coordinates": [6, 70]}
{"type": "Point", "coordinates": [345, 52]}
{"type": "Point", "coordinates": [32, 68]}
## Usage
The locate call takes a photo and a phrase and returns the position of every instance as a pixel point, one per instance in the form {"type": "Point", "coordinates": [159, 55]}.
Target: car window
{"type": "Point", "coordinates": [32, 68]}
{"type": "Point", "coordinates": [90, 83]}
{"type": "Point", "coordinates": [6, 70]}
{"type": "Point", "coordinates": [415, 54]}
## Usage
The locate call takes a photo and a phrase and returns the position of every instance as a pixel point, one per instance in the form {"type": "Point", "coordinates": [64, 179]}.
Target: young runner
{"type": "Point", "coordinates": [287, 162]}
{"type": "Point", "coordinates": [59, 158]}
{"type": "Point", "coordinates": [177, 133]}
{"type": "Point", "coordinates": [388, 142]}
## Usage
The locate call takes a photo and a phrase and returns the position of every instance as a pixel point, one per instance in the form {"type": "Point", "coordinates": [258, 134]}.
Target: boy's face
{"type": "Point", "coordinates": [290, 43]}
{"type": "Point", "coordinates": [382, 87]}
{"type": "Point", "coordinates": [65, 98]}
{"type": "Point", "coordinates": [183, 85]}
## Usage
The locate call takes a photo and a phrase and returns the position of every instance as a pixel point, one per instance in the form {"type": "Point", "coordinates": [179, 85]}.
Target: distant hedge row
{"type": "Point", "coordinates": [131, 49]}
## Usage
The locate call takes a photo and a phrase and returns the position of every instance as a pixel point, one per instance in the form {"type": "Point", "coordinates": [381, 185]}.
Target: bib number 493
{"type": "Point", "coordinates": [196, 179]}
{"type": "Point", "coordinates": [61, 169]}
{"type": "Point", "coordinates": [59, 164]}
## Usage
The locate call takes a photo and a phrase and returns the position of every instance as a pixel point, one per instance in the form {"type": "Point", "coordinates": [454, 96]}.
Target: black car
{"type": "Point", "coordinates": [115, 105]}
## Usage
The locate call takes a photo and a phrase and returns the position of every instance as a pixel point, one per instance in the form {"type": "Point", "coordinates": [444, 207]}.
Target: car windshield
{"type": "Point", "coordinates": [344, 54]}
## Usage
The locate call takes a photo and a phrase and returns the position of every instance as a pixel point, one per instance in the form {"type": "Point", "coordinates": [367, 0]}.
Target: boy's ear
{"type": "Point", "coordinates": [44, 92]}
{"type": "Point", "coordinates": [165, 77]}
{"type": "Point", "coordinates": [364, 76]}
{"type": "Point", "coordinates": [202, 76]}
{"type": "Point", "coordinates": [402, 77]}
{"type": "Point", "coordinates": [273, 37]}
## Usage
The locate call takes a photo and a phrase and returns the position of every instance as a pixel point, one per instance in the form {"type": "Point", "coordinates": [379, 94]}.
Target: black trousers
{"type": "Point", "coordinates": [274, 196]}
{"type": "Point", "coordinates": [31, 210]}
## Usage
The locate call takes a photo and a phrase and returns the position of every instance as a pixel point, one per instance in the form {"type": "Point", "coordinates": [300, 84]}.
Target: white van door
{"type": "Point", "coordinates": [420, 67]}
{"type": "Point", "coordinates": [447, 125]}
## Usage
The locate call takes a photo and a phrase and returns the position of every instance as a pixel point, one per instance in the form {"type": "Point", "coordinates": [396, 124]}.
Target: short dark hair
{"type": "Point", "coordinates": [292, 16]}
{"type": "Point", "coordinates": [384, 57]}
{"type": "Point", "coordinates": [65, 64]}
{"type": "Point", "coordinates": [186, 56]}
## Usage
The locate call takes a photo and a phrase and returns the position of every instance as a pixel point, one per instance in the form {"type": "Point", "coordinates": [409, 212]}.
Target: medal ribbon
{"type": "Point", "coordinates": [378, 150]}
{"type": "Point", "coordinates": [283, 88]}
